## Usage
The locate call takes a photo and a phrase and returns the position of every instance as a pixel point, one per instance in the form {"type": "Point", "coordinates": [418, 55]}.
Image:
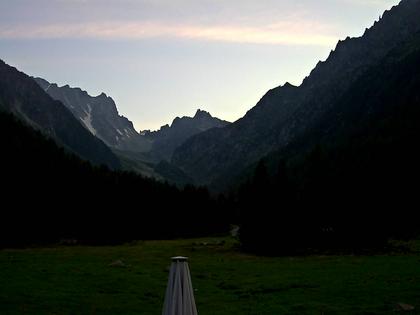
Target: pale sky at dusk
{"type": "Point", "coordinates": [160, 59]}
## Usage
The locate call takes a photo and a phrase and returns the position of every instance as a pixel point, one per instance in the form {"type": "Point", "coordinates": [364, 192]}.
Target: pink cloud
{"type": "Point", "coordinates": [293, 32]}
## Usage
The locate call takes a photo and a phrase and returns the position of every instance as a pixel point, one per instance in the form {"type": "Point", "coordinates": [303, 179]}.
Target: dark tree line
{"type": "Point", "coordinates": [330, 202]}
{"type": "Point", "coordinates": [48, 195]}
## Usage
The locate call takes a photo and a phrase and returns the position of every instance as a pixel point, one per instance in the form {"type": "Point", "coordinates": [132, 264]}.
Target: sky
{"type": "Point", "coordinates": [159, 59]}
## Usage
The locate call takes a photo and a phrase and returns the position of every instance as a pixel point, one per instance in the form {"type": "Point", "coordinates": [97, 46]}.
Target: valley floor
{"type": "Point", "coordinates": [131, 279]}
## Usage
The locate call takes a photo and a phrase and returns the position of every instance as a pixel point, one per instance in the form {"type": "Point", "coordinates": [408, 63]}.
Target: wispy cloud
{"type": "Point", "coordinates": [281, 22]}
{"type": "Point", "coordinates": [285, 33]}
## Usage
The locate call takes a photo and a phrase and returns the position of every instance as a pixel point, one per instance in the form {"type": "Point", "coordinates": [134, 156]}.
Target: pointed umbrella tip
{"type": "Point", "coordinates": [179, 258]}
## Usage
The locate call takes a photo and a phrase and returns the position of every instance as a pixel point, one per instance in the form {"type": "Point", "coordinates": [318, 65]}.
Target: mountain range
{"type": "Point", "coordinates": [288, 120]}
{"type": "Point", "coordinates": [293, 118]}
{"type": "Point", "coordinates": [99, 115]}
{"type": "Point", "coordinates": [328, 166]}
{"type": "Point", "coordinates": [91, 127]}
{"type": "Point", "coordinates": [138, 151]}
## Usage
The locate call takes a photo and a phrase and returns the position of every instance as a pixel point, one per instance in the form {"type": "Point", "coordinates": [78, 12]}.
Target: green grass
{"type": "Point", "coordinates": [80, 280]}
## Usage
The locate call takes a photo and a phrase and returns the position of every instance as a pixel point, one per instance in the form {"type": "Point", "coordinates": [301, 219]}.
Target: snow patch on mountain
{"type": "Point", "coordinates": [87, 120]}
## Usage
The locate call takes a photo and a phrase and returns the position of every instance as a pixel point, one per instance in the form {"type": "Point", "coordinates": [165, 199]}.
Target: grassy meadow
{"type": "Point", "coordinates": [131, 279]}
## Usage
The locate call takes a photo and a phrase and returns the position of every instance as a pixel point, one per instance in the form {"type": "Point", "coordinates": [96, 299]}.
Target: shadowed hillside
{"type": "Point", "coordinates": [50, 195]}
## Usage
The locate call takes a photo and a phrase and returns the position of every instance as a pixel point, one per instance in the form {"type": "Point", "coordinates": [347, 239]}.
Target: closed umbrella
{"type": "Point", "coordinates": [179, 298]}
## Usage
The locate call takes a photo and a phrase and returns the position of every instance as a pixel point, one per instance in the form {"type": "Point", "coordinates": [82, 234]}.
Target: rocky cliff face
{"type": "Point", "coordinates": [286, 113]}
{"type": "Point", "coordinates": [99, 115]}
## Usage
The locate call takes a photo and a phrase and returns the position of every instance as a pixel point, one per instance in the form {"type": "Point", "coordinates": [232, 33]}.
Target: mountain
{"type": "Point", "coordinates": [21, 95]}
{"type": "Point", "coordinates": [168, 138]}
{"type": "Point", "coordinates": [99, 115]}
{"type": "Point", "coordinates": [355, 185]}
{"type": "Point", "coordinates": [288, 112]}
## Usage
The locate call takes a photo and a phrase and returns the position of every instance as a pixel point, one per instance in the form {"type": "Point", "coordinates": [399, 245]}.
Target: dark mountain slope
{"type": "Point", "coordinates": [286, 113]}
{"type": "Point", "coordinates": [375, 99]}
{"type": "Point", "coordinates": [19, 94]}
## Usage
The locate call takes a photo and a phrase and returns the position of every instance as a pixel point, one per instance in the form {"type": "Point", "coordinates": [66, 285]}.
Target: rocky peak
{"type": "Point", "coordinates": [201, 114]}
{"type": "Point", "coordinates": [288, 85]}
{"type": "Point", "coordinates": [103, 95]}
{"type": "Point", "coordinates": [168, 138]}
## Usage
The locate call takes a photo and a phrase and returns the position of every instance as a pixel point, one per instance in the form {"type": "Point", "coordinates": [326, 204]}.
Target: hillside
{"type": "Point", "coordinates": [20, 95]}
